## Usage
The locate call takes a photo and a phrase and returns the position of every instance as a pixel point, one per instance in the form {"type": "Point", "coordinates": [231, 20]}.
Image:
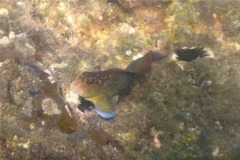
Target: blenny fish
{"type": "Point", "coordinates": [100, 86]}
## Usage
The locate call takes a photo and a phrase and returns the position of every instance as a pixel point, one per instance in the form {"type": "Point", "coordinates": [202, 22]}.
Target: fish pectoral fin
{"type": "Point", "coordinates": [102, 102]}
{"type": "Point", "coordinates": [104, 106]}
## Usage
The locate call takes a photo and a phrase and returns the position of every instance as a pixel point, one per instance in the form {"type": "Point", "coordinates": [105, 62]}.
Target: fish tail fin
{"type": "Point", "coordinates": [143, 64]}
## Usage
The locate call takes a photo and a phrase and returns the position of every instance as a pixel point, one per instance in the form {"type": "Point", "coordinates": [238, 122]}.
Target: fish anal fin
{"type": "Point", "coordinates": [106, 115]}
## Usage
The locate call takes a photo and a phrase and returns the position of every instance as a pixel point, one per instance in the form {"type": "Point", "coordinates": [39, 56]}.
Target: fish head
{"type": "Point", "coordinates": [100, 87]}
{"type": "Point", "coordinates": [108, 82]}
{"type": "Point", "coordinates": [86, 86]}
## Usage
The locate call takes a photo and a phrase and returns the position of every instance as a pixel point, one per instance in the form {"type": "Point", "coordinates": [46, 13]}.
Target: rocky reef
{"type": "Point", "coordinates": [179, 110]}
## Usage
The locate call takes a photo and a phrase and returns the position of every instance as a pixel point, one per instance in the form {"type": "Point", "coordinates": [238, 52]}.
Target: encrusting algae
{"type": "Point", "coordinates": [99, 87]}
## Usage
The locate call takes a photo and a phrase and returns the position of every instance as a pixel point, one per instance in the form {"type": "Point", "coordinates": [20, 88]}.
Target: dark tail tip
{"type": "Point", "coordinates": [190, 54]}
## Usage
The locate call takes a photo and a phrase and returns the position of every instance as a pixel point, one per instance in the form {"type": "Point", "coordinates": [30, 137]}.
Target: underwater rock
{"type": "Point", "coordinates": [179, 98]}
{"type": "Point", "coordinates": [66, 123]}
{"type": "Point", "coordinates": [24, 45]}
{"type": "Point", "coordinates": [128, 4]}
{"type": "Point", "coordinates": [50, 107]}
{"type": "Point", "coordinates": [4, 42]}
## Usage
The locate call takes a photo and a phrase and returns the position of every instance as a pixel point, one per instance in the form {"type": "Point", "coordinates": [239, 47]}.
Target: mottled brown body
{"type": "Point", "coordinates": [109, 82]}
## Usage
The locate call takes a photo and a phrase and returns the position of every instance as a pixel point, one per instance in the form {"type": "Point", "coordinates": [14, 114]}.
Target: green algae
{"type": "Point", "coordinates": [67, 124]}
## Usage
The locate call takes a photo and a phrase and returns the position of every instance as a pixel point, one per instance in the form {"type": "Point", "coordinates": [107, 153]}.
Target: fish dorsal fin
{"type": "Point", "coordinates": [143, 64]}
{"type": "Point", "coordinates": [104, 106]}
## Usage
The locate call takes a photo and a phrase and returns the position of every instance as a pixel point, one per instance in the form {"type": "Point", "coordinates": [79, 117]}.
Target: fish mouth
{"type": "Point", "coordinates": [75, 87]}
{"type": "Point", "coordinates": [81, 89]}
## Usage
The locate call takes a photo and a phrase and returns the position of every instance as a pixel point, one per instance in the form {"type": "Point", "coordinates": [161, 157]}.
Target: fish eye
{"type": "Point", "coordinates": [90, 81]}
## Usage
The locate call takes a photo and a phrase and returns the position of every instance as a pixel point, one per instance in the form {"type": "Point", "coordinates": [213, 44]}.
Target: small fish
{"type": "Point", "coordinates": [99, 87]}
